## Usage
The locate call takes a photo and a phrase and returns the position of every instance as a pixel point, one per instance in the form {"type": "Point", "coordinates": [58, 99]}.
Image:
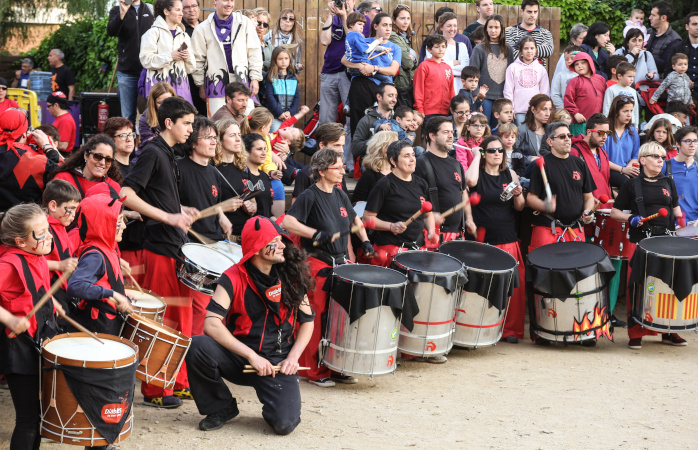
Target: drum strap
{"type": "Point", "coordinates": [115, 283]}
{"type": "Point", "coordinates": [77, 184]}
{"type": "Point", "coordinates": [434, 189]}
{"type": "Point", "coordinates": [639, 200]}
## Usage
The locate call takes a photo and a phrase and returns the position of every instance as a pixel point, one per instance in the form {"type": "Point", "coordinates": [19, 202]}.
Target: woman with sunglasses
{"type": "Point", "coordinates": [488, 175]}
{"type": "Point", "coordinates": [624, 143]}
{"type": "Point", "coordinates": [5, 103]}
{"type": "Point", "coordinates": [657, 191]}
{"type": "Point", "coordinates": [287, 32]}
{"type": "Point", "coordinates": [402, 37]}
{"type": "Point", "coordinates": [262, 28]}
{"type": "Point", "coordinates": [91, 165]}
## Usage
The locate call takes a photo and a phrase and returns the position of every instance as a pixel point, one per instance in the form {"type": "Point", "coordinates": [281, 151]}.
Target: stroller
{"type": "Point", "coordinates": [646, 90]}
{"type": "Point", "coordinates": [311, 125]}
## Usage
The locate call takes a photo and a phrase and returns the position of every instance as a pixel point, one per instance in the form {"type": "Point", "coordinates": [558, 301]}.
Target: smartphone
{"type": "Point", "coordinates": [183, 47]}
{"type": "Point", "coordinates": [128, 2]}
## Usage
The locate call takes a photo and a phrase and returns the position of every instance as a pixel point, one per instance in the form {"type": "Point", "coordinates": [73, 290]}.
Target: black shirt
{"type": "Point", "coordinates": [365, 184]}
{"type": "Point", "coordinates": [396, 200]}
{"type": "Point", "coordinates": [448, 173]}
{"type": "Point", "coordinates": [61, 78]}
{"type": "Point", "coordinates": [655, 195]}
{"type": "Point", "coordinates": [154, 178]}
{"type": "Point", "coordinates": [264, 199]}
{"type": "Point", "coordinates": [569, 180]}
{"type": "Point", "coordinates": [236, 178]}
{"type": "Point", "coordinates": [200, 187]}
{"type": "Point", "coordinates": [327, 212]}
{"type": "Point", "coordinates": [304, 180]}
{"type": "Point", "coordinates": [492, 214]}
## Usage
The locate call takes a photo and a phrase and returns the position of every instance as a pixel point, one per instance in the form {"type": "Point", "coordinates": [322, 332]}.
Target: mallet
{"type": "Point", "coordinates": [661, 213]}
{"type": "Point", "coordinates": [548, 194]}
{"type": "Point", "coordinates": [426, 207]}
{"type": "Point", "coordinates": [603, 199]}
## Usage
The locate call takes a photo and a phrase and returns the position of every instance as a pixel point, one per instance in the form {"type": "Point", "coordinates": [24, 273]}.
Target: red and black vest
{"type": "Point", "coordinates": [61, 247]}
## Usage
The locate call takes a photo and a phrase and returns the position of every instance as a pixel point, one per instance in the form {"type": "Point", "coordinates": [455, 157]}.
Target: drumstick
{"type": "Point", "coordinates": [135, 283]}
{"type": "Point", "coordinates": [602, 200]}
{"type": "Point", "coordinates": [83, 329]}
{"type": "Point", "coordinates": [249, 369]}
{"type": "Point", "coordinates": [54, 287]}
{"type": "Point", "coordinates": [370, 223]}
{"type": "Point", "coordinates": [203, 239]}
{"type": "Point", "coordinates": [662, 213]}
{"type": "Point", "coordinates": [548, 194]}
{"type": "Point", "coordinates": [426, 207]}
{"type": "Point", "coordinates": [225, 206]}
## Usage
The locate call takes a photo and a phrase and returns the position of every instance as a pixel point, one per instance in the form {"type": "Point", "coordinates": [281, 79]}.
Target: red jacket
{"type": "Point", "coordinates": [601, 175]}
{"type": "Point", "coordinates": [62, 248]}
{"type": "Point", "coordinates": [433, 87]}
{"type": "Point", "coordinates": [585, 95]}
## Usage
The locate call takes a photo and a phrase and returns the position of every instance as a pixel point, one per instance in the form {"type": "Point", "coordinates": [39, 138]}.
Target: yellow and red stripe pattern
{"type": "Point", "coordinates": [690, 307]}
{"type": "Point", "coordinates": [666, 306]}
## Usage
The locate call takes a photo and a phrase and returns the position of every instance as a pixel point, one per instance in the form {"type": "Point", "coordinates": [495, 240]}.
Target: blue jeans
{"type": "Point", "coordinates": [519, 118]}
{"type": "Point", "coordinates": [278, 188]}
{"type": "Point", "coordinates": [128, 94]}
{"type": "Point", "coordinates": [487, 111]}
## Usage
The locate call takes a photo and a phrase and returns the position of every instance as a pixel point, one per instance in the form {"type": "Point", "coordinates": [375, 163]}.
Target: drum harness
{"type": "Point", "coordinates": [555, 223]}
{"type": "Point", "coordinates": [651, 230]}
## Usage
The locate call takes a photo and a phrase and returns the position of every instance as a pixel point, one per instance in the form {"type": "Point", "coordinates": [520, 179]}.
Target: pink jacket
{"type": "Point", "coordinates": [463, 155]}
{"type": "Point", "coordinates": [523, 81]}
{"type": "Point", "coordinates": [585, 95]}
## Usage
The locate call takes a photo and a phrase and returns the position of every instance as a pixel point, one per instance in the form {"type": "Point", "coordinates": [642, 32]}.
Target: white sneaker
{"type": "Point", "coordinates": [322, 382]}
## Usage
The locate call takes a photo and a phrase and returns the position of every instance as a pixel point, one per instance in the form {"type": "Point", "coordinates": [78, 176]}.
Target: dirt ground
{"type": "Point", "coordinates": [507, 396]}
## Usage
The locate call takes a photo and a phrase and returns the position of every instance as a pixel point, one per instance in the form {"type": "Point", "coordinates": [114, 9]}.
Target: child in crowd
{"type": "Point", "coordinates": [475, 95]}
{"type": "Point", "coordinates": [508, 133]}
{"type": "Point", "coordinates": [414, 128]}
{"type": "Point", "coordinates": [61, 200]}
{"type": "Point", "coordinates": [661, 133]}
{"type": "Point", "coordinates": [98, 281]}
{"type": "Point", "coordinates": [460, 113]}
{"type": "Point", "coordinates": [637, 20]}
{"type": "Point", "coordinates": [525, 78]}
{"type": "Point", "coordinates": [625, 74]}
{"type": "Point", "coordinates": [402, 119]}
{"type": "Point", "coordinates": [677, 83]}
{"type": "Point", "coordinates": [477, 36]}
{"type": "Point", "coordinates": [611, 69]}
{"type": "Point", "coordinates": [503, 111]}
{"type": "Point", "coordinates": [584, 94]}
{"type": "Point", "coordinates": [287, 141]}
{"type": "Point", "coordinates": [675, 112]}
{"type": "Point", "coordinates": [561, 78]}
{"type": "Point", "coordinates": [474, 132]}
{"type": "Point", "coordinates": [433, 80]}
{"type": "Point", "coordinates": [561, 115]}
{"type": "Point", "coordinates": [357, 46]}
{"type": "Point", "coordinates": [281, 86]}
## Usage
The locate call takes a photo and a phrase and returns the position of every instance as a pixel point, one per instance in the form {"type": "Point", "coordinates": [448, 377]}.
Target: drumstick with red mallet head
{"type": "Point", "coordinates": [548, 193]}
{"type": "Point", "coordinates": [661, 213]}
{"type": "Point", "coordinates": [426, 207]}
{"type": "Point", "coordinates": [603, 199]}
{"type": "Point", "coordinates": [369, 224]}
{"type": "Point", "coordinates": [474, 199]}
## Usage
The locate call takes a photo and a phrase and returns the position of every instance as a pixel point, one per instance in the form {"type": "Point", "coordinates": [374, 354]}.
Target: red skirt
{"type": "Point", "coordinates": [516, 311]}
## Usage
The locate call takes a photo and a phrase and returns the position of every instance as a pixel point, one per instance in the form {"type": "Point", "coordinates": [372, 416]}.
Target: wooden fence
{"type": "Point", "coordinates": [311, 14]}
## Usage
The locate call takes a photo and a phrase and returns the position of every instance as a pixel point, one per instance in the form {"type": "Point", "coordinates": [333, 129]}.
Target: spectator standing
{"type": "Point", "coordinates": [525, 78]}
{"type": "Point", "coordinates": [128, 22]}
{"type": "Point", "coordinates": [528, 27]}
{"type": "Point", "coordinates": [457, 55]}
{"type": "Point", "coordinates": [458, 37]}
{"type": "Point", "coordinates": [62, 78]}
{"type": "Point", "coordinates": [577, 34]}
{"type": "Point", "coordinates": [57, 106]}
{"type": "Point", "coordinates": [402, 36]}
{"type": "Point", "coordinates": [22, 76]}
{"type": "Point", "coordinates": [433, 80]}
{"type": "Point", "coordinates": [560, 80]}
{"type": "Point", "coordinates": [646, 68]}
{"type": "Point", "coordinates": [662, 41]}
{"type": "Point", "coordinates": [369, 9]}
{"type": "Point", "coordinates": [597, 44]}
{"type": "Point", "coordinates": [689, 47]}
{"type": "Point", "coordinates": [485, 8]}
{"type": "Point", "coordinates": [282, 89]}
{"type": "Point", "coordinates": [148, 125]}
{"type": "Point", "coordinates": [287, 32]}
{"type": "Point", "coordinates": [262, 27]}
{"type": "Point", "coordinates": [190, 20]}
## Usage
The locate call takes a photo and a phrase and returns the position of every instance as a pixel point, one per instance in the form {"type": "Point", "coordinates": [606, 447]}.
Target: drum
{"type": "Point", "coordinates": [162, 350]}
{"type": "Point", "coordinates": [366, 304]}
{"type": "Point", "coordinates": [492, 276]}
{"type": "Point", "coordinates": [147, 304]}
{"type": "Point", "coordinates": [612, 235]}
{"type": "Point", "coordinates": [69, 361]}
{"type": "Point", "coordinates": [229, 249]}
{"type": "Point", "coordinates": [436, 281]}
{"type": "Point", "coordinates": [203, 265]}
{"type": "Point", "coordinates": [664, 283]}
{"type": "Point", "coordinates": [567, 286]}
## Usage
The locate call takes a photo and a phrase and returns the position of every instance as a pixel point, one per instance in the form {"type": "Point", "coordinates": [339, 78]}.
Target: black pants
{"type": "Point", "coordinates": [617, 179]}
{"type": "Point", "coordinates": [208, 364]}
{"type": "Point", "coordinates": [362, 95]}
{"type": "Point", "coordinates": [25, 397]}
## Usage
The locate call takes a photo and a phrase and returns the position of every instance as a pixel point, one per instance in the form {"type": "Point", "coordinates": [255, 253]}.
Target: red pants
{"type": "Point", "coordinates": [543, 236]}
{"type": "Point", "coordinates": [516, 311]}
{"type": "Point", "coordinates": [318, 302]}
{"type": "Point", "coordinates": [135, 259]}
{"type": "Point", "coordinates": [635, 331]}
{"type": "Point", "coordinates": [185, 311]}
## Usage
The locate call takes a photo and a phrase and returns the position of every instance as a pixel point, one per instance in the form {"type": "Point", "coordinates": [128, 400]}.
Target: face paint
{"type": "Point", "coordinates": [270, 249]}
{"type": "Point", "coordinates": [69, 211]}
{"type": "Point", "coordinates": [40, 241]}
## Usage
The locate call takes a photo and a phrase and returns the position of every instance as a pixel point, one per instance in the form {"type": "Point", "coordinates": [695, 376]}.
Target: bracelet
{"type": "Point", "coordinates": [621, 171]}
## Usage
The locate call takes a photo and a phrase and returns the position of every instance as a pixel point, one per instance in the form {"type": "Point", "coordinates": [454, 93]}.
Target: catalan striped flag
{"type": "Point", "coordinates": [666, 306]}
{"type": "Point", "coordinates": [690, 307]}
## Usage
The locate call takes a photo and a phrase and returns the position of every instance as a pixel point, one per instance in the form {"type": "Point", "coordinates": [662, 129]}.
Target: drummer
{"type": "Point", "coordinates": [571, 184]}
{"type": "Point", "coordinates": [643, 196]}
{"type": "Point", "coordinates": [497, 218]}
{"type": "Point", "coordinates": [24, 277]}
{"type": "Point", "coordinates": [98, 281]}
{"type": "Point", "coordinates": [392, 201]}
{"type": "Point", "coordinates": [244, 327]}
{"type": "Point", "coordinates": [319, 212]}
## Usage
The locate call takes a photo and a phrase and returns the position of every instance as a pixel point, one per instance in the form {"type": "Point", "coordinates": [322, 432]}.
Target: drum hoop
{"type": "Point", "coordinates": [146, 327]}
{"type": "Point", "coordinates": [474, 269]}
{"type": "Point", "coordinates": [186, 258]}
{"type": "Point", "coordinates": [402, 283]}
{"type": "Point", "coordinates": [424, 272]}
{"type": "Point", "coordinates": [639, 244]}
{"type": "Point", "coordinates": [145, 291]}
{"type": "Point", "coordinates": [107, 364]}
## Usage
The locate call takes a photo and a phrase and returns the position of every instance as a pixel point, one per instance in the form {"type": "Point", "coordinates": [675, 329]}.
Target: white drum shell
{"type": "Point", "coordinates": [655, 307]}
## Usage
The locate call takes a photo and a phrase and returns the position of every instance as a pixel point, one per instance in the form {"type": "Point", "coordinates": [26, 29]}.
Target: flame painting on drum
{"type": "Point", "coordinates": [599, 324]}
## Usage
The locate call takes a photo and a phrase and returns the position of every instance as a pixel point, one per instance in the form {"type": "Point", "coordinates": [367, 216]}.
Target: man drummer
{"type": "Point", "coordinates": [250, 320]}
{"type": "Point", "coordinates": [571, 186]}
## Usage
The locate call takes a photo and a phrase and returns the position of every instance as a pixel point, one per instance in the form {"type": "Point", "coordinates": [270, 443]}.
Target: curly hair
{"type": "Point", "coordinates": [239, 159]}
{"type": "Point", "coordinates": [78, 159]}
{"type": "Point", "coordinates": [294, 274]}
{"type": "Point", "coordinates": [377, 147]}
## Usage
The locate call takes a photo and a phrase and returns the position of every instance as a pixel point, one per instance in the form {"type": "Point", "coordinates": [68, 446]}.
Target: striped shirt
{"type": "Point", "coordinates": [543, 38]}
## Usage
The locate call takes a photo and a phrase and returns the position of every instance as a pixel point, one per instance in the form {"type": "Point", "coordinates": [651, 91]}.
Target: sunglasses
{"type": "Point", "coordinates": [627, 99]}
{"type": "Point", "coordinates": [288, 19]}
{"type": "Point", "coordinates": [656, 156]}
{"type": "Point", "coordinates": [492, 151]}
{"type": "Point", "coordinates": [3, 88]}
{"type": "Point", "coordinates": [564, 136]}
{"type": "Point", "coordinates": [98, 157]}
{"type": "Point", "coordinates": [602, 132]}
{"type": "Point", "coordinates": [400, 7]}
{"type": "Point", "coordinates": [377, 8]}
{"type": "Point", "coordinates": [262, 24]}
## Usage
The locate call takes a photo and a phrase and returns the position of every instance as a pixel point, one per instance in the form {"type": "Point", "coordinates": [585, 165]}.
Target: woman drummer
{"type": "Point", "coordinates": [24, 277]}
{"type": "Point", "coordinates": [392, 201]}
{"type": "Point", "coordinates": [497, 217]}
{"type": "Point", "coordinates": [317, 214]}
{"type": "Point", "coordinates": [657, 192]}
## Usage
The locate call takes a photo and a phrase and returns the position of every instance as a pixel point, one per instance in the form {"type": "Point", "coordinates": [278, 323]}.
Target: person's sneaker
{"type": "Point", "coordinates": [322, 382]}
{"type": "Point", "coordinates": [588, 343]}
{"type": "Point", "coordinates": [673, 339]}
{"type": "Point", "coordinates": [163, 402]}
{"type": "Point", "coordinates": [216, 420]}
{"type": "Point", "coordinates": [618, 323]}
{"type": "Point", "coordinates": [184, 394]}
{"type": "Point", "coordinates": [345, 379]}
{"type": "Point", "coordinates": [635, 343]}
{"type": "Point", "coordinates": [511, 340]}
{"type": "Point", "coordinates": [431, 359]}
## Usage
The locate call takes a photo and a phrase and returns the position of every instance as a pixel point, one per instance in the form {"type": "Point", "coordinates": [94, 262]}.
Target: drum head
{"type": "Point", "coordinates": [606, 212]}
{"type": "Point", "coordinates": [480, 256]}
{"type": "Point", "coordinates": [671, 246]}
{"type": "Point", "coordinates": [88, 349]}
{"type": "Point", "coordinates": [367, 274]}
{"type": "Point", "coordinates": [566, 255]}
{"type": "Point", "coordinates": [359, 209]}
{"type": "Point", "coordinates": [144, 300]}
{"type": "Point", "coordinates": [229, 249]}
{"type": "Point", "coordinates": [207, 257]}
{"type": "Point", "coordinates": [429, 262]}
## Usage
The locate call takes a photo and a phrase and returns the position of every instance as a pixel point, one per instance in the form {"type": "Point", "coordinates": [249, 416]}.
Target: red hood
{"type": "Point", "coordinates": [585, 57]}
{"type": "Point", "coordinates": [97, 221]}
{"type": "Point", "coordinates": [579, 140]}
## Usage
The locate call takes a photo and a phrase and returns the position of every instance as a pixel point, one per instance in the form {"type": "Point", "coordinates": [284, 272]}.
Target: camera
{"type": "Point", "coordinates": [339, 3]}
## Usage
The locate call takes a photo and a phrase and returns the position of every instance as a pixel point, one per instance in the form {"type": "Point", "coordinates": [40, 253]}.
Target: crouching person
{"type": "Point", "coordinates": [250, 320]}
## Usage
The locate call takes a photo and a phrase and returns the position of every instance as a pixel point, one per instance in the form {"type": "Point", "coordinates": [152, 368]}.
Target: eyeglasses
{"type": "Point", "coordinates": [492, 151]}
{"type": "Point", "coordinates": [98, 157]}
{"type": "Point", "coordinates": [401, 7]}
{"type": "Point", "coordinates": [288, 19]}
{"type": "Point", "coordinates": [126, 136]}
{"type": "Point", "coordinates": [210, 138]}
{"type": "Point", "coordinates": [564, 136]}
{"type": "Point", "coordinates": [656, 156]}
{"type": "Point", "coordinates": [477, 125]}
{"type": "Point", "coordinates": [377, 8]}
{"type": "Point", "coordinates": [627, 98]}
{"type": "Point", "coordinates": [337, 168]}
{"type": "Point", "coordinates": [689, 141]}
{"type": "Point", "coordinates": [602, 132]}
{"type": "Point", "coordinates": [189, 8]}
{"type": "Point", "coordinates": [463, 113]}
{"type": "Point", "coordinates": [262, 24]}
{"type": "Point", "coordinates": [3, 88]}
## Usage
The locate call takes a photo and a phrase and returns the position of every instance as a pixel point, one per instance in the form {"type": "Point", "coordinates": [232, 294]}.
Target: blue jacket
{"type": "Point", "coordinates": [282, 95]}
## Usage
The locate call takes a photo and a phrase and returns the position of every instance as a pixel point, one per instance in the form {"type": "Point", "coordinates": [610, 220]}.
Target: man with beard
{"type": "Point", "coordinates": [387, 99]}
